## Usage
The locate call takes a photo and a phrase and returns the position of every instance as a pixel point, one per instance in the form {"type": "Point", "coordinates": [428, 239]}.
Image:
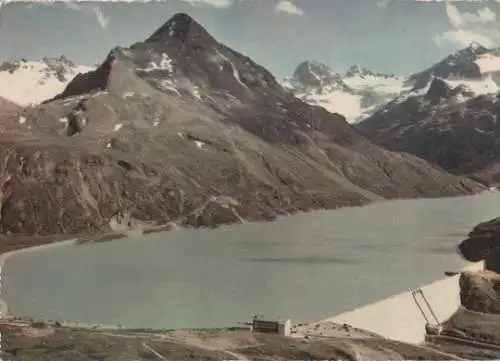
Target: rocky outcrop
{"type": "Point", "coordinates": [438, 90]}
{"type": "Point", "coordinates": [480, 291]}
{"type": "Point", "coordinates": [313, 75]}
{"type": "Point", "coordinates": [483, 243]}
{"type": "Point", "coordinates": [473, 331]}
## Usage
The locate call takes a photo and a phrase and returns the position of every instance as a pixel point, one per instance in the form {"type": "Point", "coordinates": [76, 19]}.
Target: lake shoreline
{"type": "Point", "coordinates": [15, 242]}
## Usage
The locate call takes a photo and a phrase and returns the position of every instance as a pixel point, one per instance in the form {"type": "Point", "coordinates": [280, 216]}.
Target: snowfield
{"type": "Point", "coordinates": [32, 82]}
{"type": "Point", "coordinates": [366, 95]}
{"type": "Point", "coordinates": [478, 87]}
{"type": "Point", "coordinates": [348, 105]}
{"type": "Point", "coordinates": [390, 85]}
{"type": "Point", "coordinates": [489, 62]}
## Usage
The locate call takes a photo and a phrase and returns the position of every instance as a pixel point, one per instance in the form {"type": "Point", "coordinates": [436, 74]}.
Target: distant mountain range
{"type": "Point", "coordinates": [452, 120]}
{"type": "Point", "coordinates": [447, 114]}
{"type": "Point", "coordinates": [355, 94]}
{"type": "Point", "coordinates": [181, 129]}
{"type": "Point", "coordinates": [359, 93]}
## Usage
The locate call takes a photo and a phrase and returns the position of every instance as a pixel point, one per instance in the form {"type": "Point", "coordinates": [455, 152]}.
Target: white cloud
{"type": "Point", "coordinates": [72, 5]}
{"type": "Point", "coordinates": [382, 4]}
{"type": "Point", "coordinates": [221, 4]}
{"type": "Point", "coordinates": [102, 19]}
{"type": "Point", "coordinates": [286, 6]}
{"type": "Point", "coordinates": [469, 27]}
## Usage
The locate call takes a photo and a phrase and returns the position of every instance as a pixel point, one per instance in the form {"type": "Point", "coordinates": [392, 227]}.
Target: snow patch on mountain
{"type": "Point", "coordinates": [163, 63]}
{"type": "Point", "coordinates": [478, 87]}
{"type": "Point", "coordinates": [382, 85]}
{"type": "Point", "coordinates": [356, 94]}
{"type": "Point", "coordinates": [489, 62]}
{"type": "Point", "coordinates": [349, 105]}
{"type": "Point", "coordinates": [31, 82]}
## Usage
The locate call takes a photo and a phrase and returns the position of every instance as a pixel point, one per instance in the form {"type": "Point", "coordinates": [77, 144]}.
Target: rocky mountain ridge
{"type": "Point", "coordinates": [149, 138]}
{"type": "Point", "coordinates": [450, 122]}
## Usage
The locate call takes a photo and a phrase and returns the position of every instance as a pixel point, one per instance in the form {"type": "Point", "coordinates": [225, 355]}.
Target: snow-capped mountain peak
{"type": "Point", "coordinates": [314, 76]}
{"type": "Point", "coordinates": [470, 63]}
{"type": "Point", "coordinates": [28, 82]}
{"type": "Point", "coordinates": [184, 28]}
{"type": "Point", "coordinates": [358, 70]}
{"type": "Point", "coordinates": [183, 60]}
{"type": "Point", "coordinates": [473, 48]}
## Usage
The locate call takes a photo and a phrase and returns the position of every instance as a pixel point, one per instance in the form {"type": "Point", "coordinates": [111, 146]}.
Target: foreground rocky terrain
{"type": "Point", "coordinates": [180, 129]}
{"type": "Point", "coordinates": [45, 342]}
{"type": "Point", "coordinates": [473, 331]}
{"type": "Point", "coordinates": [450, 117]}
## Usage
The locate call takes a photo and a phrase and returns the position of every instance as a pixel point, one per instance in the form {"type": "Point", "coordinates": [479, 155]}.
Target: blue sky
{"type": "Point", "coordinates": [383, 35]}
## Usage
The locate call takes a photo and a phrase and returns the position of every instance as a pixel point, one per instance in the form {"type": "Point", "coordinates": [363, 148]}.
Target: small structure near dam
{"type": "Point", "coordinates": [280, 327]}
{"type": "Point", "coordinates": [429, 317]}
{"type": "Point", "coordinates": [431, 328]}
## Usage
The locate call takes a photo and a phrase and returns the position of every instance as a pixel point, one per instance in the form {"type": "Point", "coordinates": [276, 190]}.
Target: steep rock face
{"type": "Point", "coordinates": [316, 76]}
{"type": "Point", "coordinates": [181, 129]}
{"type": "Point", "coordinates": [438, 90]}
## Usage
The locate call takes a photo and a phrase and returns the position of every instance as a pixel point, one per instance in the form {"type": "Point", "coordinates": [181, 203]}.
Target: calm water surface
{"type": "Point", "coordinates": [305, 267]}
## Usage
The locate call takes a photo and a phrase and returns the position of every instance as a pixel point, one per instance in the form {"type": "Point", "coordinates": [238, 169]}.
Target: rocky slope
{"type": "Point", "coordinates": [480, 291]}
{"type": "Point", "coordinates": [452, 121]}
{"type": "Point", "coordinates": [356, 94]}
{"type": "Point", "coordinates": [8, 107]}
{"type": "Point", "coordinates": [179, 128]}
